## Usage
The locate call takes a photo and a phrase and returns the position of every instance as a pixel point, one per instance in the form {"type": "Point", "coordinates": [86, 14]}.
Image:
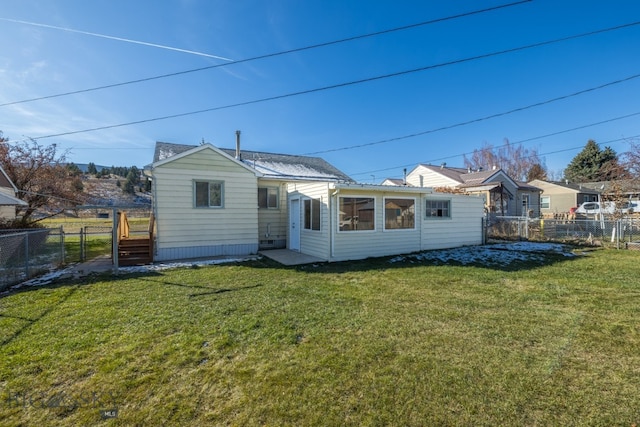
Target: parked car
{"type": "Point", "coordinates": [590, 208]}
{"type": "Point", "coordinates": [630, 207]}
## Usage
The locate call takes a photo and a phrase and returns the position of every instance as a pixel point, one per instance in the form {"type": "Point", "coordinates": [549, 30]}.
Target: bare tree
{"type": "Point", "coordinates": [42, 179]}
{"type": "Point", "coordinates": [515, 160]}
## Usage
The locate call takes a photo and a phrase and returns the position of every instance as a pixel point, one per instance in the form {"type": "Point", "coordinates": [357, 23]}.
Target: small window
{"type": "Point", "coordinates": [312, 214]}
{"type": "Point", "coordinates": [545, 202]}
{"type": "Point", "coordinates": [208, 194]}
{"type": "Point", "coordinates": [268, 198]}
{"type": "Point", "coordinates": [399, 214]}
{"type": "Point", "coordinates": [357, 213]}
{"type": "Point", "coordinates": [438, 208]}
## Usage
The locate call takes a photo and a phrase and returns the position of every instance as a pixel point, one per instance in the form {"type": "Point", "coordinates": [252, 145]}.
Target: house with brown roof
{"type": "Point", "coordinates": [502, 194]}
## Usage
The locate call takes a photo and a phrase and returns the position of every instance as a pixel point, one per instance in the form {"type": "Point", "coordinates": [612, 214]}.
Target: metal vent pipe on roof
{"type": "Point", "coordinates": [238, 155]}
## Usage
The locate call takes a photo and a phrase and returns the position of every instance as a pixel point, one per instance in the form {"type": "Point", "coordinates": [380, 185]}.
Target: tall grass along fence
{"type": "Point", "coordinates": [27, 253]}
{"type": "Point", "coordinates": [618, 233]}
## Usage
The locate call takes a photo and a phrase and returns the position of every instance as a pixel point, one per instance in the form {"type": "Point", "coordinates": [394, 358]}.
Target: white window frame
{"type": "Point", "coordinates": [209, 205]}
{"type": "Point", "coordinates": [428, 209]}
{"type": "Point", "coordinates": [375, 202]}
{"type": "Point", "coordinates": [270, 191]}
{"type": "Point", "coordinates": [384, 203]}
{"type": "Point", "coordinates": [311, 224]}
{"type": "Point", "coordinates": [543, 203]}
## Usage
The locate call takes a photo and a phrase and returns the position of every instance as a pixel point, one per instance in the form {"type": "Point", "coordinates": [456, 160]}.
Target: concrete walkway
{"type": "Point", "coordinates": [288, 257]}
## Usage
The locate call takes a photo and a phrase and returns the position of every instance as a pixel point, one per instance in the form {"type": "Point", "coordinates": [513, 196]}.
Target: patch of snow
{"type": "Point", "coordinates": [501, 254]}
{"type": "Point", "coordinates": [184, 264]}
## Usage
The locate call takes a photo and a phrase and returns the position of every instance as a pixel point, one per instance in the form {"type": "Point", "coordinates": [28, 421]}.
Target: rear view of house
{"type": "Point", "coordinates": [209, 201]}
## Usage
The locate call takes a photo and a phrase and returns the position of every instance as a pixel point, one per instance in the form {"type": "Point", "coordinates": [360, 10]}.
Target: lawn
{"type": "Point", "coordinates": [549, 340]}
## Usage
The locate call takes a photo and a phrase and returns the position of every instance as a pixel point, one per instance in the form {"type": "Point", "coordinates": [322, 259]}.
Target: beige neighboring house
{"type": "Point", "coordinates": [8, 199]}
{"type": "Point", "coordinates": [502, 195]}
{"type": "Point", "coordinates": [558, 197]}
{"type": "Point", "coordinates": [209, 201]}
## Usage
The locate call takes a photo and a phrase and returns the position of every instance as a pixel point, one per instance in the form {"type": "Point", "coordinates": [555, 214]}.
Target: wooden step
{"type": "Point", "coordinates": [134, 252]}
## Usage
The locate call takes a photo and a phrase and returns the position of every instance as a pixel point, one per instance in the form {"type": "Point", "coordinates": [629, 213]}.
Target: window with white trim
{"type": "Point", "coordinates": [268, 197]}
{"type": "Point", "coordinates": [208, 194]}
{"type": "Point", "coordinates": [399, 214]}
{"type": "Point", "coordinates": [545, 202]}
{"type": "Point", "coordinates": [438, 208]}
{"type": "Point", "coordinates": [312, 214]}
{"type": "Point", "coordinates": [357, 213]}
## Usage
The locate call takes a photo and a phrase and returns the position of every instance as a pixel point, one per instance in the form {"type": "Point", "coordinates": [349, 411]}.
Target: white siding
{"type": "Point", "coordinates": [185, 231]}
{"type": "Point", "coordinates": [379, 242]}
{"type": "Point", "coordinates": [429, 178]}
{"type": "Point", "coordinates": [314, 242]}
{"type": "Point", "coordinates": [463, 228]}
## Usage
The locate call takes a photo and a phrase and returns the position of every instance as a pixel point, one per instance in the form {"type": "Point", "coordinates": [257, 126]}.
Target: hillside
{"type": "Point", "coordinates": [105, 191]}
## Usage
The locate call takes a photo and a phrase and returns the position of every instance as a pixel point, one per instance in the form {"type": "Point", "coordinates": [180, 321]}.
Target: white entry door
{"type": "Point", "coordinates": [294, 225]}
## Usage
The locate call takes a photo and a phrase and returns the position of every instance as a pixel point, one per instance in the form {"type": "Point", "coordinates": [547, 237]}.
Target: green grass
{"type": "Point", "coordinates": [366, 343]}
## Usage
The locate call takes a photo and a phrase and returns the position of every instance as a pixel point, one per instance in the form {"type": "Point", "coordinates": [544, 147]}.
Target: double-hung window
{"type": "Point", "coordinates": [312, 214]}
{"type": "Point", "coordinates": [268, 197]}
{"type": "Point", "coordinates": [545, 202]}
{"type": "Point", "coordinates": [438, 208]}
{"type": "Point", "coordinates": [208, 194]}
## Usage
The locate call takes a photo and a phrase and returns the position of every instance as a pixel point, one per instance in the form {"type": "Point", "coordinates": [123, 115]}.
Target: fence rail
{"type": "Point", "coordinates": [620, 233]}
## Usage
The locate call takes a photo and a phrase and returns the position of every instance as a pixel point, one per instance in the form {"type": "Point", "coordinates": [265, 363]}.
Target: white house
{"type": "Point", "coordinates": [209, 201]}
{"type": "Point", "coordinates": [8, 199]}
{"type": "Point", "coordinates": [502, 194]}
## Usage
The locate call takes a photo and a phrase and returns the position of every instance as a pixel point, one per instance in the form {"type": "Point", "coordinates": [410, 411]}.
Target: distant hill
{"type": "Point", "coordinates": [85, 166]}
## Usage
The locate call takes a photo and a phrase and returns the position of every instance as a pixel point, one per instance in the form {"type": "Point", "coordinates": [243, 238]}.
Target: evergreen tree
{"type": "Point", "coordinates": [593, 164]}
{"type": "Point", "coordinates": [91, 168]}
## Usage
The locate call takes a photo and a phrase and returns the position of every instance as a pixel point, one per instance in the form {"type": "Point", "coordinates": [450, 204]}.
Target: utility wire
{"type": "Point", "coordinates": [351, 83]}
{"type": "Point", "coordinates": [535, 138]}
{"type": "Point", "coordinates": [564, 150]}
{"type": "Point", "coordinates": [492, 116]}
{"type": "Point", "coordinates": [271, 55]}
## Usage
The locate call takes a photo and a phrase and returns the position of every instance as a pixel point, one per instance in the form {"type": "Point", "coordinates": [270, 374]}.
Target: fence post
{"type": "Point", "coordinates": [26, 255]}
{"type": "Point", "coordinates": [62, 252]}
{"type": "Point", "coordinates": [83, 231]}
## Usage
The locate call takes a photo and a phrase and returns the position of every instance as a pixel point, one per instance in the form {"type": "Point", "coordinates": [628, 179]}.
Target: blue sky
{"type": "Point", "coordinates": [38, 61]}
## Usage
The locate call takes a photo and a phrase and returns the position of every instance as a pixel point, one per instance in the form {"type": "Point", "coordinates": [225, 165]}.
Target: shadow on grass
{"type": "Point", "coordinates": [503, 261]}
{"type": "Point", "coordinates": [530, 261]}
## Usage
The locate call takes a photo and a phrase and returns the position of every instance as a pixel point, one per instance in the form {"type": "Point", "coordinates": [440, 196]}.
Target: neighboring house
{"type": "Point", "coordinates": [612, 190]}
{"type": "Point", "coordinates": [559, 197]}
{"type": "Point", "coordinates": [210, 201]}
{"type": "Point", "coordinates": [502, 194]}
{"type": "Point", "coordinates": [394, 181]}
{"type": "Point", "coordinates": [8, 199]}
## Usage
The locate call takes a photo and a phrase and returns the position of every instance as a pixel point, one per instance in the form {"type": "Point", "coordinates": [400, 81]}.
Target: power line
{"type": "Point", "coordinates": [564, 150]}
{"type": "Point", "coordinates": [492, 116]}
{"type": "Point", "coordinates": [345, 84]}
{"type": "Point", "coordinates": [626, 116]}
{"type": "Point", "coordinates": [271, 55]}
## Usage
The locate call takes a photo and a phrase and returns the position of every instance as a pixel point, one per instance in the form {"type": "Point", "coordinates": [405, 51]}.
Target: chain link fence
{"type": "Point", "coordinates": [27, 253]}
{"type": "Point", "coordinates": [620, 233]}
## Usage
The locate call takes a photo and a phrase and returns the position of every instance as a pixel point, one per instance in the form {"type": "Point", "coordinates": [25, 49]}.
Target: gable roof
{"type": "Point", "coordinates": [269, 165]}
{"type": "Point", "coordinates": [7, 200]}
{"type": "Point", "coordinates": [470, 178]}
{"type": "Point", "coordinates": [577, 188]}
{"type": "Point", "coordinates": [5, 181]}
